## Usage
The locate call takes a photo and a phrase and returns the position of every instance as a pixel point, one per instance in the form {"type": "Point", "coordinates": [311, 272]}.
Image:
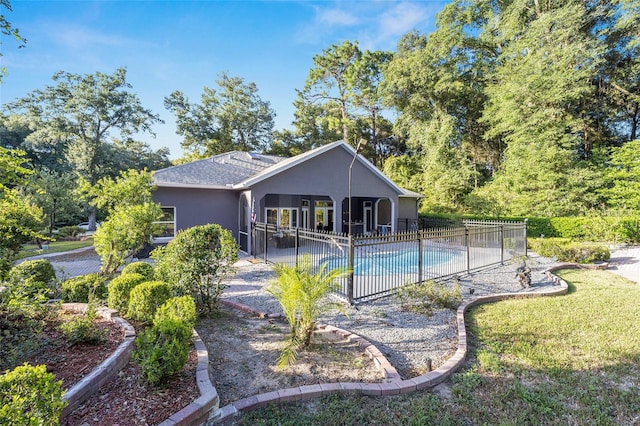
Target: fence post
{"type": "Point", "coordinates": [526, 253]}
{"type": "Point", "coordinates": [502, 244]}
{"type": "Point", "coordinates": [467, 243]}
{"type": "Point", "coordinates": [266, 237]}
{"type": "Point", "coordinates": [350, 283]}
{"type": "Point", "coordinates": [297, 246]}
{"type": "Point", "coordinates": [419, 256]}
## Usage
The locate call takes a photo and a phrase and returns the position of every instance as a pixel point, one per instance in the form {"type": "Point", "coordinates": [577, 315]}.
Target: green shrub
{"type": "Point", "coordinates": [196, 262]}
{"type": "Point", "coordinates": [162, 350]}
{"type": "Point", "coordinates": [181, 308]}
{"type": "Point", "coordinates": [69, 231]}
{"type": "Point", "coordinates": [30, 396]}
{"type": "Point", "coordinates": [146, 298]}
{"type": "Point", "coordinates": [423, 298]}
{"type": "Point", "coordinates": [83, 329]}
{"type": "Point", "coordinates": [565, 250]}
{"type": "Point", "coordinates": [143, 268]}
{"type": "Point", "coordinates": [119, 290]}
{"type": "Point", "coordinates": [39, 270]}
{"type": "Point", "coordinates": [84, 288]}
{"type": "Point", "coordinates": [20, 328]}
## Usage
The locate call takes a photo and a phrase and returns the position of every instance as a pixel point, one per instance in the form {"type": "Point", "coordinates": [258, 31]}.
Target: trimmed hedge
{"type": "Point", "coordinates": [39, 270]}
{"type": "Point", "coordinates": [143, 268]}
{"type": "Point", "coordinates": [119, 290]}
{"type": "Point", "coordinates": [84, 288]}
{"type": "Point", "coordinates": [146, 298]}
{"type": "Point", "coordinates": [613, 229]}
{"type": "Point", "coordinates": [162, 350]}
{"type": "Point", "coordinates": [181, 308]}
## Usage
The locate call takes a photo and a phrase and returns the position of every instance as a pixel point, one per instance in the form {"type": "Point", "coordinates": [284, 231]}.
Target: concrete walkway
{"type": "Point", "coordinates": [625, 261]}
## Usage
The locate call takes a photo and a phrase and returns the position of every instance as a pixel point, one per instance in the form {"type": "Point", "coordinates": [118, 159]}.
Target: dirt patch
{"type": "Point", "coordinates": [244, 349]}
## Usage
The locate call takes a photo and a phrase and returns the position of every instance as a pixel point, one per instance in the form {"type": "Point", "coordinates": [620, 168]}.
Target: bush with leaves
{"type": "Point", "coordinates": [39, 270]}
{"type": "Point", "coordinates": [162, 350]}
{"type": "Point", "coordinates": [196, 262]}
{"type": "Point", "coordinates": [423, 298]}
{"type": "Point", "coordinates": [83, 329]}
{"type": "Point", "coordinates": [69, 231]}
{"type": "Point", "coordinates": [119, 290]}
{"type": "Point", "coordinates": [181, 308]}
{"type": "Point", "coordinates": [146, 298]}
{"type": "Point", "coordinates": [84, 288]}
{"type": "Point", "coordinates": [30, 396]}
{"type": "Point", "coordinates": [566, 250]}
{"type": "Point", "coordinates": [124, 233]}
{"type": "Point", "coordinates": [302, 292]}
{"type": "Point", "coordinates": [143, 268]}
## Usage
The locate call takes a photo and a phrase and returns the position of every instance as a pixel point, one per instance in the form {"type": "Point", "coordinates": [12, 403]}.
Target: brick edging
{"type": "Point", "coordinates": [392, 387]}
{"type": "Point", "coordinates": [199, 410]}
{"type": "Point", "coordinates": [104, 372]}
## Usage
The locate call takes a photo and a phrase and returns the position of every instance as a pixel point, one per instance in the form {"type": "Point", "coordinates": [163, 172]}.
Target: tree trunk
{"type": "Point", "coordinates": [92, 219]}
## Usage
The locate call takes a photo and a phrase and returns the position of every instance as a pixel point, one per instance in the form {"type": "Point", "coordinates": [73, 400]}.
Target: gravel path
{"type": "Point", "coordinates": [409, 341]}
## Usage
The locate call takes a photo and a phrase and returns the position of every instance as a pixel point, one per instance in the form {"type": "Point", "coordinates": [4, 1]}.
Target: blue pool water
{"type": "Point", "coordinates": [397, 262]}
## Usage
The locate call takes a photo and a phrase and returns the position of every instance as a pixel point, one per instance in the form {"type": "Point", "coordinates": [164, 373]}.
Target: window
{"type": "Point", "coordinates": [283, 217]}
{"type": "Point", "coordinates": [166, 226]}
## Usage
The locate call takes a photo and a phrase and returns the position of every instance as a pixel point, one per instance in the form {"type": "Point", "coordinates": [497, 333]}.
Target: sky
{"type": "Point", "coordinates": [185, 45]}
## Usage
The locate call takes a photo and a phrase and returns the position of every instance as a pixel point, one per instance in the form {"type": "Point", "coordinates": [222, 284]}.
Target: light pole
{"type": "Point", "coordinates": [361, 144]}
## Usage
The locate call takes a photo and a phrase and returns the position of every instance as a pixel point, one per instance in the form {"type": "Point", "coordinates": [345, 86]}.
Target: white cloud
{"type": "Point", "coordinates": [402, 18]}
{"type": "Point", "coordinates": [335, 17]}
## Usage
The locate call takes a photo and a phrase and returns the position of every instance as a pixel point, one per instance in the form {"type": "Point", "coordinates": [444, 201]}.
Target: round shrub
{"type": "Point", "coordinates": [177, 308]}
{"type": "Point", "coordinates": [145, 299]}
{"type": "Point", "coordinates": [143, 268]}
{"type": "Point", "coordinates": [119, 290]}
{"type": "Point", "coordinates": [162, 350]}
{"type": "Point", "coordinates": [29, 396]}
{"type": "Point", "coordinates": [39, 270]}
{"type": "Point", "coordinates": [84, 288]}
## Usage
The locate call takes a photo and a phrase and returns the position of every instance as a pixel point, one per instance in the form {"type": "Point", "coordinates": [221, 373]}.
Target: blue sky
{"type": "Point", "coordinates": [185, 45]}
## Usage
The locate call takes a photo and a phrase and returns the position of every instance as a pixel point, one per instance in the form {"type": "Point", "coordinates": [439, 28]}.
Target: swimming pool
{"type": "Point", "coordinates": [392, 262]}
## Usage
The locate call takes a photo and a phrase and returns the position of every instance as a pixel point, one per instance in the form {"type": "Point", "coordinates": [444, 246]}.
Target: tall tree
{"type": "Point", "coordinates": [545, 71]}
{"type": "Point", "coordinates": [84, 110]}
{"type": "Point", "coordinates": [328, 83]}
{"type": "Point", "coordinates": [232, 118]}
{"type": "Point", "coordinates": [8, 29]}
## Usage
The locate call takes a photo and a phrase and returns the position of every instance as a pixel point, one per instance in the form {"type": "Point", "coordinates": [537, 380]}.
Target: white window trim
{"type": "Point", "coordinates": [166, 239]}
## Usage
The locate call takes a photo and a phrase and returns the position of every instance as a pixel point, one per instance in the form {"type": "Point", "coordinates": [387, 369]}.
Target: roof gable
{"type": "Point", "coordinates": [240, 170]}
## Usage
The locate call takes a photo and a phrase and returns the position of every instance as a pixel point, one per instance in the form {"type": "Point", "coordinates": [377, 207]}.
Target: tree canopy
{"type": "Point", "coordinates": [232, 118]}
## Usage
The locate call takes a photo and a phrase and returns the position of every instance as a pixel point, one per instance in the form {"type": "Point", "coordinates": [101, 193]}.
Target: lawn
{"type": "Point", "coordinates": [566, 360]}
{"type": "Point", "coordinates": [54, 247]}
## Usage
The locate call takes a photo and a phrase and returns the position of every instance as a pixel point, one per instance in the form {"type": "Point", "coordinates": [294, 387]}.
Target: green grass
{"type": "Point", "coordinates": [566, 360]}
{"type": "Point", "coordinates": [54, 247]}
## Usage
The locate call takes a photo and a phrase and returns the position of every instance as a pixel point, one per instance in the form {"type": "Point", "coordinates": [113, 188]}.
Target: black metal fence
{"type": "Point", "coordinates": [379, 264]}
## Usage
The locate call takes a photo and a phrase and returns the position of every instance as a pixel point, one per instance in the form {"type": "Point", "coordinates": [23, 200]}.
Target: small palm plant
{"type": "Point", "coordinates": [302, 295]}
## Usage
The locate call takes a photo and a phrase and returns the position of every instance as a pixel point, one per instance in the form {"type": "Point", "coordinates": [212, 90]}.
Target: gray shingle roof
{"type": "Point", "coordinates": [221, 171]}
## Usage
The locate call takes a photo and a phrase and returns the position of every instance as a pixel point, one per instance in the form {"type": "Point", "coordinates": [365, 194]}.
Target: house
{"type": "Point", "coordinates": [310, 190]}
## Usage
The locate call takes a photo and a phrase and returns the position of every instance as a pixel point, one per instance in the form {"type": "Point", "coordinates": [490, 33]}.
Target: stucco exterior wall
{"type": "Point", "coordinates": [326, 175]}
{"type": "Point", "coordinates": [201, 206]}
{"type": "Point", "coordinates": [407, 208]}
